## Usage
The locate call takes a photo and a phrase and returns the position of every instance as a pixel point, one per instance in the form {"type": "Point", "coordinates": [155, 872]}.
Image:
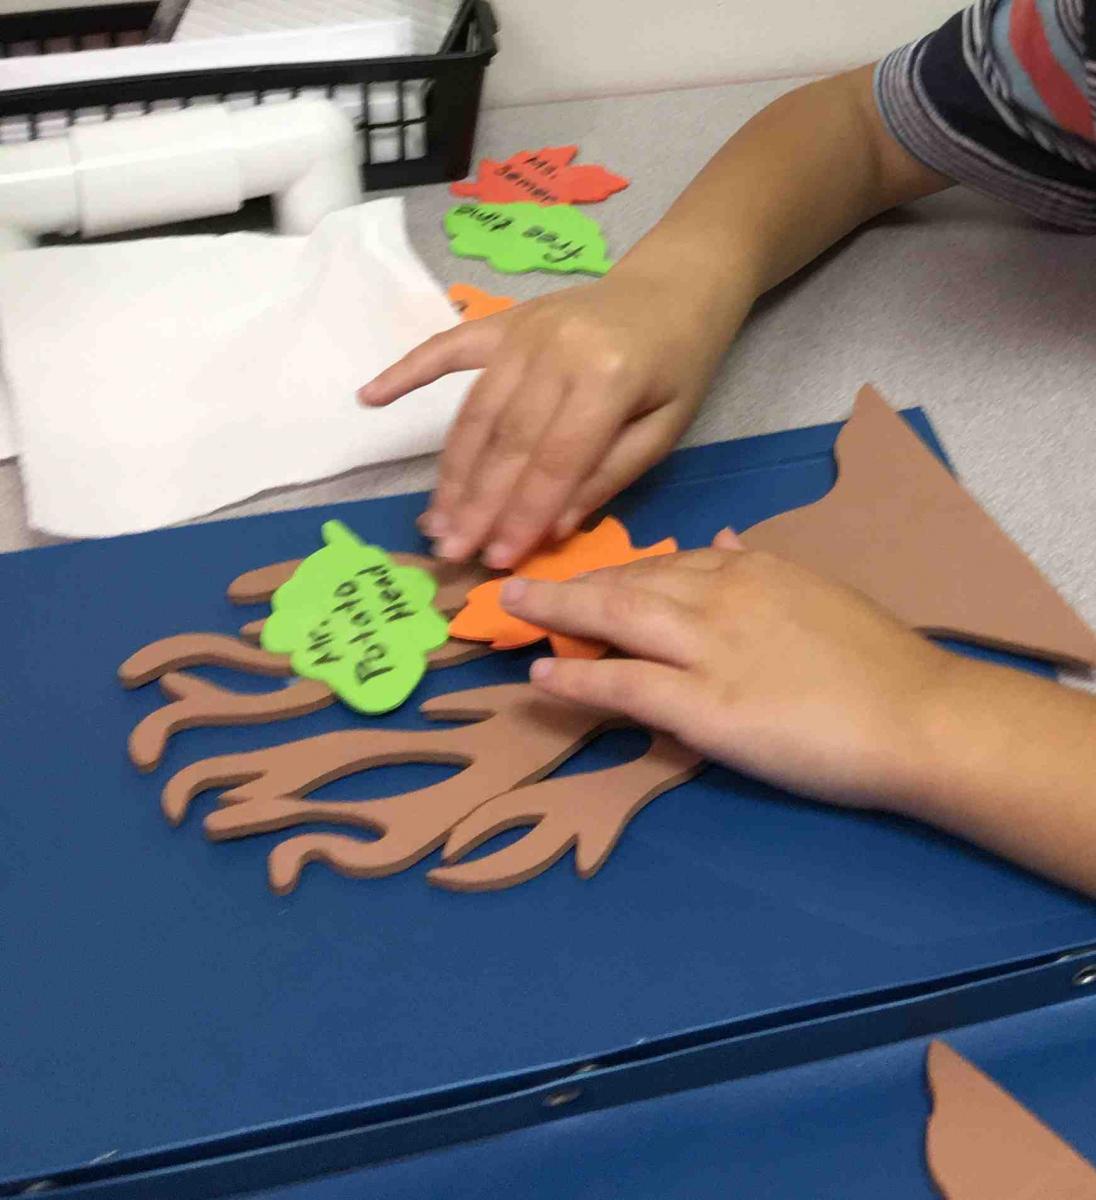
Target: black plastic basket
{"type": "Point", "coordinates": [447, 85]}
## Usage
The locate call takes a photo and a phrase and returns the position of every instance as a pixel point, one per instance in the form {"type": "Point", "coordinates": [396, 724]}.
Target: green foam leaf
{"type": "Point", "coordinates": [353, 619]}
{"type": "Point", "coordinates": [528, 237]}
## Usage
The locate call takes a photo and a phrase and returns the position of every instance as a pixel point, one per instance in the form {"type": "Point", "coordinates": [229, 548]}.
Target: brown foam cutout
{"type": "Point", "coordinates": [586, 811]}
{"type": "Point", "coordinates": [982, 1144]}
{"type": "Point", "coordinates": [898, 527]}
{"type": "Point", "coordinates": [519, 736]}
{"type": "Point", "coordinates": [196, 702]}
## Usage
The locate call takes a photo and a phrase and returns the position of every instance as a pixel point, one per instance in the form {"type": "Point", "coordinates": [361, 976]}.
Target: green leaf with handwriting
{"type": "Point", "coordinates": [353, 619]}
{"type": "Point", "coordinates": [528, 237]}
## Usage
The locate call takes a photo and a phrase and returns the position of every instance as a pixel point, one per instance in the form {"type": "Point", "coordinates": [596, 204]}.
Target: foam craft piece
{"type": "Point", "coordinates": [515, 238]}
{"type": "Point", "coordinates": [900, 528]}
{"type": "Point", "coordinates": [722, 900]}
{"type": "Point", "coordinates": [982, 1144]}
{"type": "Point", "coordinates": [483, 619]}
{"type": "Point", "coordinates": [519, 737]}
{"type": "Point", "coordinates": [353, 619]}
{"type": "Point", "coordinates": [196, 702]}
{"type": "Point", "coordinates": [545, 176]}
{"type": "Point", "coordinates": [472, 303]}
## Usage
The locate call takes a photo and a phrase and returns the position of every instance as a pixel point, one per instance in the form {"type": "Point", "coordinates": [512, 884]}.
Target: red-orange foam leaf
{"type": "Point", "coordinates": [483, 619]}
{"type": "Point", "coordinates": [543, 176]}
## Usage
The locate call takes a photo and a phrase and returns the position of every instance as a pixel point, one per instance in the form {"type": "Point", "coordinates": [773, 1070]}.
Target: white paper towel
{"type": "Point", "coordinates": [159, 379]}
{"type": "Point", "coordinates": [7, 426]}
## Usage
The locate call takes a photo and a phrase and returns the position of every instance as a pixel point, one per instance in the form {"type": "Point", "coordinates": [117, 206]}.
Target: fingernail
{"type": "Point", "coordinates": [452, 547]}
{"type": "Point", "coordinates": [365, 394]}
{"type": "Point", "coordinates": [433, 524]}
{"type": "Point", "coordinates": [727, 539]}
{"type": "Point", "coordinates": [512, 591]}
{"type": "Point", "coordinates": [541, 669]}
{"type": "Point", "coordinates": [498, 555]}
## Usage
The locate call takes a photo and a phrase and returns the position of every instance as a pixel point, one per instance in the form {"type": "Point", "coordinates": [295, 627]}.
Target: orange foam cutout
{"type": "Point", "coordinates": [483, 619]}
{"type": "Point", "coordinates": [473, 302]}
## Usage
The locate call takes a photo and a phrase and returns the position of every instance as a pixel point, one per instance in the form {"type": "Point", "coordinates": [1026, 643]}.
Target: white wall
{"type": "Point", "coordinates": [555, 49]}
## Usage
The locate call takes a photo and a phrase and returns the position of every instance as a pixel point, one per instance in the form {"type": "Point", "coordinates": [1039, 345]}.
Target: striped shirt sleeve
{"type": "Point", "coordinates": [1000, 97]}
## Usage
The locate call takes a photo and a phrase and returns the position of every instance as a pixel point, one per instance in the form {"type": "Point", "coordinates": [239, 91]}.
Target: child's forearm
{"type": "Point", "coordinates": [796, 178]}
{"type": "Point", "coordinates": [1009, 762]}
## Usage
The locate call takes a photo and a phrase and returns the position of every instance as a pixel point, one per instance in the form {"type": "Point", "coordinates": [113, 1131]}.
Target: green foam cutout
{"type": "Point", "coordinates": [353, 619]}
{"type": "Point", "coordinates": [528, 237]}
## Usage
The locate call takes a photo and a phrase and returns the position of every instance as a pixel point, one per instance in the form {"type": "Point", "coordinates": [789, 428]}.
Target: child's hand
{"type": "Point", "coordinates": [770, 669]}
{"type": "Point", "coordinates": [581, 392]}
{"type": "Point", "coordinates": [752, 661]}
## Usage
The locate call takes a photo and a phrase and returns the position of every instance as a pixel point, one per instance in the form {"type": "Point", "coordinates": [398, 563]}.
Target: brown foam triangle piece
{"type": "Point", "coordinates": [982, 1144]}
{"type": "Point", "coordinates": [898, 527]}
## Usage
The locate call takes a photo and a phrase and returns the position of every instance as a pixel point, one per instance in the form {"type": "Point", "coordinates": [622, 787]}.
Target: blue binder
{"type": "Point", "coordinates": [847, 1128]}
{"type": "Point", "coordinates": [166, 1017]}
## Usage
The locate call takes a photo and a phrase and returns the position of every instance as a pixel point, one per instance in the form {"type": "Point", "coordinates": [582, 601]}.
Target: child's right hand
{"type": "Point", "coordinates": [581, 392]}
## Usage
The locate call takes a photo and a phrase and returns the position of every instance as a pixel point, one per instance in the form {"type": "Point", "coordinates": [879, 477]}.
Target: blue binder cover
{"type": "Point", "coordinates": [157, 996]}
{"type": "Point", "coordinates": [851, 1128]}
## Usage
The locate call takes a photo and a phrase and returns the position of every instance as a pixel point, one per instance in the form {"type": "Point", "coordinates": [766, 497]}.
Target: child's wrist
{"type": "Point", "coordinates": [946, 741]}
{"type": "Point", "coordinates": [696, 271]}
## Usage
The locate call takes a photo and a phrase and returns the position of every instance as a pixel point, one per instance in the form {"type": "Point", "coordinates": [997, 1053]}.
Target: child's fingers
{"type": "Point", "coordinates": [461, 349]}
{"type": "Point", "coordinates": [573, 443]}
{"type": "Point", "coordinates": [489, 480]}
{"type": "Point", "coordinates": [651, 694]}
{"type": "Point", "coordinates": [684, 577]}
{"type": "Point", "coordinates": [470, 432]}
{"type": "Point", "coordinates": [641, 444]}
{"type": "Point", "coordinates": [638, 621]}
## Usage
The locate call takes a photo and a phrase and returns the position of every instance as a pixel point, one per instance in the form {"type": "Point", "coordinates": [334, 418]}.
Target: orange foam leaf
{"type": "Point", "coordinates": [483, 619]}
{"type": "Point", "coordinates": [473, 302]}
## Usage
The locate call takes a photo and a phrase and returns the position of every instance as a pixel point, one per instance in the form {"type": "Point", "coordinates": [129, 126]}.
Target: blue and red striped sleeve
{"type": "Point", "coordinates": [1000, 97]}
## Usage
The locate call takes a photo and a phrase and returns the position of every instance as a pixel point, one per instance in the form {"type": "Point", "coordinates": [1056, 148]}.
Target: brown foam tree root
{"type": "Point", "coordinates": [520, 736]}
{"type": "Point", "coordinates": [982, 1144]}
{"type": "Point", "coordinates": [898, 527]}
{"type": "Point", "coordinates": [199, 650]}
{"type": "Point", "coordinates": [587, 811]}
{"type": "Point", "coordinates": [196, 702]}
{"type": "Point", "coordinates": [199, 703]}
